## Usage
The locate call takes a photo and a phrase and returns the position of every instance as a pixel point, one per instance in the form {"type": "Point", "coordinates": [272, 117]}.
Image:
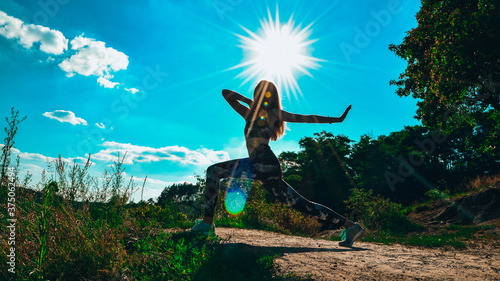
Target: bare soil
{"type": "Point", "coordinates": [319, 259]}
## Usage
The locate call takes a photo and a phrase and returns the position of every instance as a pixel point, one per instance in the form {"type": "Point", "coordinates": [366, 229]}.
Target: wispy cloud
{"type": "Point", "coordinates": [94, 58]}
{"type": "Point", "coordinates": [43, 158]}
{"type": "Point", "coordinates": [65, 117]}
{"type": "Point", "coordinates": [132, 90]}
{"type": "Point", "coordinates": [143, 154]}
{"type": "Point", "coordinates": [154, 187]}
{"type": "Point", "coordinates": [32, 168]}
{"type": "Point", "coordinates": [40, 157]}
{"type": "Point", "coordinates": [149, 180]}
{"type": "Point", "coordinates": [51, 41]}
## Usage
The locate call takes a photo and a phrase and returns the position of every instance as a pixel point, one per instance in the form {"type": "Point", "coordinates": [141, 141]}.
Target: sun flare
{"type": "Point", "coordinates": [277, 53]}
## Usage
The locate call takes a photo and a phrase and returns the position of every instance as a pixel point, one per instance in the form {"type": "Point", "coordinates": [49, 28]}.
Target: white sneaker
{"type": "Point", "coordinates": [202, 227]}
{"type": "Point", "coordinates": [350, 235]}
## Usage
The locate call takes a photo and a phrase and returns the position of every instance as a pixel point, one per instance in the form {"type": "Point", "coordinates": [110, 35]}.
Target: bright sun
{"type": "Point", "coordinates": [278, 53]}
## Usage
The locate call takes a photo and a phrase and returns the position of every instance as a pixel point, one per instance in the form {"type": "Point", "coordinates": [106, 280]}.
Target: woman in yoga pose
{"type": "Point", "coordinates": [265, 120]}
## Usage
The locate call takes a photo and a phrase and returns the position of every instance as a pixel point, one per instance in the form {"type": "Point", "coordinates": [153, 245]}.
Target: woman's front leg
{"type": "Point", "coordinates": [232, 168]}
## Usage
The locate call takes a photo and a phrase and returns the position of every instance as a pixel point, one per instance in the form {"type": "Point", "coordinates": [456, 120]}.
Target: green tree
{"type": "Point", "coordinates": [406, 156]}
{"type": "Point", "coordinates": [370, 159]}
{"type": "Point", "coordinates": [178, 192]}
{"type": "Point", "coordinates": [453, 69]}
{"type": "Point", "coordinates": [183, 197]}
{"type": "Point", "coordinates": [319, 171]}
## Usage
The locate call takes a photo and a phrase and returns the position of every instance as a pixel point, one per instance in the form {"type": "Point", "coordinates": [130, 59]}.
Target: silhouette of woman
{"type": "Point", "coordinates": [265, 120]}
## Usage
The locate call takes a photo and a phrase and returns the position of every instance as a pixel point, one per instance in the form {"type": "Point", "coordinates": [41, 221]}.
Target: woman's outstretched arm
{"type": "Point", "coordinates": [233, 98]}
{"type": "Point", "coordinates": [298, 118]}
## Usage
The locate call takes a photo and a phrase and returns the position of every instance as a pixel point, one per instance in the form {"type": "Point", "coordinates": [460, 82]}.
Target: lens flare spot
{"type": "Point", "coordinates": [235, 201]}
{"type": "Point", "coordinates": [265, 103]}
{"type": "Point", "coordinates": [268, 94]}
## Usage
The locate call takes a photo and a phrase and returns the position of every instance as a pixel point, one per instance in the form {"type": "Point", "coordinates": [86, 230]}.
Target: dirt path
{"type": "Point", "coordinates": [320, 259]}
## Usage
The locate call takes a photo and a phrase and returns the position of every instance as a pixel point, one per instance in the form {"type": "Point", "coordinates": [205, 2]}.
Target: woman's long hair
{"type": "Point", "coordinates": [266, 99]}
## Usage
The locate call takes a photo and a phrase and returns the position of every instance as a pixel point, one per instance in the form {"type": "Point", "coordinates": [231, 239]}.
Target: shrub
{"type": "Point", "coordinates": [262, 211]}
{"type": "Point", "coordinates": [378, 213]}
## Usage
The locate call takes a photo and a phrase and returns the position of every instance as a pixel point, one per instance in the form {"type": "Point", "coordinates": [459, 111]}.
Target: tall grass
{"type": "Point", "coordinates": [75, 227]}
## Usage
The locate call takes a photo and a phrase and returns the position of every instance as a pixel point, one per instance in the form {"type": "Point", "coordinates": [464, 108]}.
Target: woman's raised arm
{"type": "Point", "coordinates": [233, 98]}
{"type": "Point", "coordinates": [298, 118]}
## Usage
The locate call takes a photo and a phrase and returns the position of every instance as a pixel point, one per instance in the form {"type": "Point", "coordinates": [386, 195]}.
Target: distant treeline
{"type": "Point", "coordinates": [402, 166]}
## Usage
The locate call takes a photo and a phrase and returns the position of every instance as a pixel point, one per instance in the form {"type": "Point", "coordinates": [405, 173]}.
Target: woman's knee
{"type": "Point", "coordinates": [214, 172]}
{"type": "Point", "coordinates": [211, 170]}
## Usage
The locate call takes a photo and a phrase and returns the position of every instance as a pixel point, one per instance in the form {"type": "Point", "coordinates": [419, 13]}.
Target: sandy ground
{"type": "Point", "coordinates": [319, 259]}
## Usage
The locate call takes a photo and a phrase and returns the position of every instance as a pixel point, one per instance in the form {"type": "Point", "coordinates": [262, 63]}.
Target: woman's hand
{"type": "Point", "coordinates": [345, 113]}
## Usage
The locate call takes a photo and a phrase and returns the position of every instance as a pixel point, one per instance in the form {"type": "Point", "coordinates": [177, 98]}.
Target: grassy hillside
{"type": "Point", "coordinates": [59, 236]}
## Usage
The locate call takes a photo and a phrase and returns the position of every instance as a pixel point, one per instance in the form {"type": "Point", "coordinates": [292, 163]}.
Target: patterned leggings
{"type": "Point", "coordinates": [263, 166]}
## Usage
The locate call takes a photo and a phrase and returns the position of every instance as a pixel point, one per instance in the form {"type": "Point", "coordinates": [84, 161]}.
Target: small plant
{"type": "Point", "coordinates": [42, 220]}
{"type": "Point", "coordinates": [435, 194]}
{"type": "Point", "coordinates": [11, 131]}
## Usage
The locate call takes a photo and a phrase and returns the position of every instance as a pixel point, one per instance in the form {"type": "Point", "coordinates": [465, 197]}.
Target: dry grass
{"type": "Point", "coordinates": [484, 181]}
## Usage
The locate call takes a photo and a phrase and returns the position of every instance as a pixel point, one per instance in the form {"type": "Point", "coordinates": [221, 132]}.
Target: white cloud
{"type": "Point", "coordinates": [154, 187]}
{"type": "Point", "coordinates": [145, 154]}
{"type": "Point", "coordinates": [33, 163]}
{"type": "Point", "coordinates": [32, 168]}
{"type": "Point", "coordinates": [51, 41]}
{"type": "Point", "coordinates": [12, 149]}
{"type": "Point", "coordinates": [149, 180]}
{"type": "Point", "coordinates": [89, 57]}
{"type": "Point", "coordinates": [103, 81]}
{"type": "Point", "coordinates": [100, 125]}
{"type": "Point", "coordinates": [94, 58]}
{"type": "Point", "coordinates": [40, 157]}
{"type": "Point", "coordinates": [236, 147]}
{"type": "Point", "coordinates": [65, 116]}
{"type": "Point", "coordinates": [132, 90]}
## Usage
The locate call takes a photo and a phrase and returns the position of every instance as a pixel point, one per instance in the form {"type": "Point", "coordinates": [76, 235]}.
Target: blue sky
{"type": "Point", "coordinates": [145, 77]}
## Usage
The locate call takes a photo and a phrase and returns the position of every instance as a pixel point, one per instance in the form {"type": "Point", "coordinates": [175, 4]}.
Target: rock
{"type": "Point", "coordinates": [474, 208]}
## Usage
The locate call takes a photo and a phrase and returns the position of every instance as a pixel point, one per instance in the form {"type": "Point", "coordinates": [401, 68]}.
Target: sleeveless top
{"type": "Point", "coordinates": [259, 129]}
